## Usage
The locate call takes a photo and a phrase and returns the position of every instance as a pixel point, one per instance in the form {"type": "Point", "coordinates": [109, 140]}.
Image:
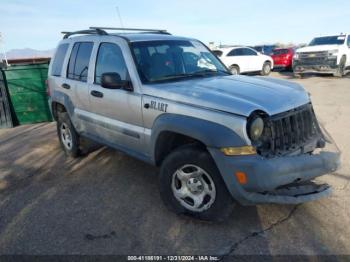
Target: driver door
{"type": "Point", "coordinates": [116, 113]}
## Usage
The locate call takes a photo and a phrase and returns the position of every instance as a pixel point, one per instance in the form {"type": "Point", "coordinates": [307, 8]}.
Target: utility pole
{"type": "Point", "coordinates": [3, 51]}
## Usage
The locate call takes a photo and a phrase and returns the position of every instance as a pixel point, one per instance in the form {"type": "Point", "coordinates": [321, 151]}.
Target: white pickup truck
{"type": "Point", "coordinates": [327, 54]}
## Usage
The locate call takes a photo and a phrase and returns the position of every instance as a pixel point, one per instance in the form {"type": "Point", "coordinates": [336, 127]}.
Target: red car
{"type": "Point", "coordinates": [283, 57]}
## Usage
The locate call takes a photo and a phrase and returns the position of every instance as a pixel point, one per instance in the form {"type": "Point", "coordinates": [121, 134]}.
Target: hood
{"type": "Point", "coordinates": [234, 94]}
{"type": "Point", "coordinates": [317, 48]}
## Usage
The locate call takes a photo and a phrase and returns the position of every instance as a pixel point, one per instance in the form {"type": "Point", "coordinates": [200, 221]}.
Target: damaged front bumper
{"type": "Point", "coordinates": [326, 67]}
{"type": "Point", "coordinates": [283, 180]}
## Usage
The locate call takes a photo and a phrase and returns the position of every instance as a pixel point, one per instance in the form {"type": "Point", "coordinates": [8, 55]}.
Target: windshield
{"type": "Point", "coordinates": [169, 60]}
{"type": "Point", "coordinates": [328, 40]}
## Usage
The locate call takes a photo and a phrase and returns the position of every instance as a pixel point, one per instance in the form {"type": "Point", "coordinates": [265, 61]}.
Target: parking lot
{"type": "Point", "coordinates": [109, 203]}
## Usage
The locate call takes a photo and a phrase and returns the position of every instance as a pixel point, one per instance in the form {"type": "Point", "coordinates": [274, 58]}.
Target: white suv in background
{"type": "Point", "coordinates": [325, 54]}
{"type": "Point", "coordinates": [241, 59]}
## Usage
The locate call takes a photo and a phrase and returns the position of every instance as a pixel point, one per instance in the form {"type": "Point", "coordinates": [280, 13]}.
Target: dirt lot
{"type": "Point", "coordinates": [108, 203]}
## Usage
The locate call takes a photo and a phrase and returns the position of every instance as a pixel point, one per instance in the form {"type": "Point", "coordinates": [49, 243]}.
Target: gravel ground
{"type": "Point", "coordinates": [108, 203]}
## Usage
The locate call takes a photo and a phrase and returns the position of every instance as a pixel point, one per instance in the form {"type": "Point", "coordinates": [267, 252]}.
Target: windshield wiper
{"type": "Point", "coordinates": [177, 76]}
{"type": "Point", "coordinates": [201, 73]}
{"type": "Point", "coordinates": [211, 71]}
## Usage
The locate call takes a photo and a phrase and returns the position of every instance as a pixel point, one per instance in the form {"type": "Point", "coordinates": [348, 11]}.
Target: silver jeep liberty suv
{"type": "Point", "coordinates": [218, 139]}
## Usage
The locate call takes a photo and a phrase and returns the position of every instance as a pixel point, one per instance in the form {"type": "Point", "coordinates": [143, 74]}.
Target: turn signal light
{"type": "Point", "coordinates": [241, 177]}
{"type": "Point", "coordinates": [238, 151]}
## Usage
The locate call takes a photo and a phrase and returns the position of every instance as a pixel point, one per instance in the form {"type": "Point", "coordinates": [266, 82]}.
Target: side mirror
{"type": "Point", "coordinates": [113, 81]}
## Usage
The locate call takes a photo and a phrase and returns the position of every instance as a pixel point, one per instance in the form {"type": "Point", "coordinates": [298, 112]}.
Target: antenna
{"type": "Point", "coordinates": [3, 51]}
{"type": "Point", "coordinates": [120, 18]}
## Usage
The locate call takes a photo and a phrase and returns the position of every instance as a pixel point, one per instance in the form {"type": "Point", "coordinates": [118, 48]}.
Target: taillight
{"type": "Point", "coordinates": [47, 87]}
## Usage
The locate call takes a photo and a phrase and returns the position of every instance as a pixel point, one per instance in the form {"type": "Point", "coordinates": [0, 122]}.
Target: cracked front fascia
{"type": "Point", "coordinates": [235, 245]}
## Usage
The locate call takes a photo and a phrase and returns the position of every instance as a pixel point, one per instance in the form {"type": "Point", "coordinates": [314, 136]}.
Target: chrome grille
{"type": "Point", "coordinates": [313, 58]}
{"type": "Point", "coordinates": [313, 61]}
{"type": "Point", "coordinates": [321, 54]}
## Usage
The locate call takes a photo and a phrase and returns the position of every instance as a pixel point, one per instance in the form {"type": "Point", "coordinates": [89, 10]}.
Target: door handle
{"type": "Point", "coordinates": [96, 93]}
{"type": "Point", "coordinates": [66, 86]}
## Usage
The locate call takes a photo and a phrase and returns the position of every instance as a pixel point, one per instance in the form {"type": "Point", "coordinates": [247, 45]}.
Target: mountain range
{"type": "Point", "coordinates": [27, 53]}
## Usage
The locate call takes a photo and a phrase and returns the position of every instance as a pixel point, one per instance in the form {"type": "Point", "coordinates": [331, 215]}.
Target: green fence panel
{"type": "Point", "coordinates": [5, 106]}
{"type": "Point", "coordinates": [26, 86]}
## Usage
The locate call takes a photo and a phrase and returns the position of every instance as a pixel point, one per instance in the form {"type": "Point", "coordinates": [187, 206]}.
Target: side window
{"type": "Point", "coordinates": [57, 62]}
{"type": "Point", "coordinates": [248, 51]}
{"type": "Point", "coordinates": [110, 60]}
{"type": "Point", "coordinates": [234, 52]}
{"type": "Point", "coordinates": [78, 65]}
{"type": "Point", "coordinates": [348, 40]}
{"type": "Point", "coordinates": [72, 59]}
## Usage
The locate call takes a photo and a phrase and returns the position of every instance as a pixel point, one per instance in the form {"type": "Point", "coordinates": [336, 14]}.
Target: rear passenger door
{"type": "Point", "coordinates": [237, 56]}
{"type": "Point", "coordinates": [252, 59]}
{"type": "Point", "coordinates": [77, 74]}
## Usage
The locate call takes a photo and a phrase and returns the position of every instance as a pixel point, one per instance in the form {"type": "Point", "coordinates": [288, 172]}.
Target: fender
{"type": "Point", "coordinates": [209, 133]}
{"type": "Point", "coordinates": [63, 99]}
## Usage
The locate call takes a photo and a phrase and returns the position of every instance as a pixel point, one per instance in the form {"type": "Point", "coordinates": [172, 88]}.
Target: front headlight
{"type": "Point", "coordinates": [255, 128]}
{"type": "Point", "coordinates": [333, 52]}
{"type": "Point", "coordinates": [296, 56]}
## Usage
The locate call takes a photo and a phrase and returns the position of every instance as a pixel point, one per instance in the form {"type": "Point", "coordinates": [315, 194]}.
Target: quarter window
{"type": "Point", "coordinates": [58, 60]}
{"type": "Point", "coordinates": [110, 60]}
{"type": "Point", "coordinates": [78, 65]}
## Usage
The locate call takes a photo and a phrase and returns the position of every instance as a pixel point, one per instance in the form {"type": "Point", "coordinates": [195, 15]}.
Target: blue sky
{"type": "Point", "coordinates": [37, 24]}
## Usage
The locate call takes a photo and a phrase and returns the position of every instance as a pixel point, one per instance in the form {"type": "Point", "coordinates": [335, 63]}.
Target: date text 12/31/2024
{"type": "Point", "coordinates": [173, 258]}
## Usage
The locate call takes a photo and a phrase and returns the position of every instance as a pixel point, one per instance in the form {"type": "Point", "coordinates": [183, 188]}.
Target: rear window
{"type": "Point", "coordinates": [58, 60]}
{"type": "Point", "coordinates": [259, 48]}
{"type": "Point", "coordinates": [78, 65]}
{"type": "Point", "coordinates": [218, 53]}
{"type": "Point", "coordinates": [280, 51]}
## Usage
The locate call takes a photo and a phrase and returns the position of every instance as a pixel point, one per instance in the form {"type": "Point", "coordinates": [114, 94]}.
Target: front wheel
{"type": "Point", "coordinates": [234, 69]}
{"type": "Point", "coordinates": [191, 184]}
{"type": "Point", "coordinates": [298, 75]}
{"type": "Point", "coordinates": [341, 68]}
{"type": "Point", "coordinates": [266, 69]}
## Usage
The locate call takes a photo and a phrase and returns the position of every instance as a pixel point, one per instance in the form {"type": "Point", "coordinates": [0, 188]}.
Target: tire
{"type": "Point", "coordinates": [266, 69]}
{"type": "Point", "coordinates": [341, 69]}
{"type": "Point", "coordinates": [234, 69]}
{"type": "Point", "coordinates": [68, 137]}
{"type": "Point", "coordinates": [217, 203]}
{"type": "Point", "coordinates": [298, 75]}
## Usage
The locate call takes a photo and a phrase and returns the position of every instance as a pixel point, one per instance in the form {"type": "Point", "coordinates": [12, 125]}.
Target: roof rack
{"type": "Point", "coordinates": [91, 31]}
{"type": "Point", "coordinates": [157, 31]}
